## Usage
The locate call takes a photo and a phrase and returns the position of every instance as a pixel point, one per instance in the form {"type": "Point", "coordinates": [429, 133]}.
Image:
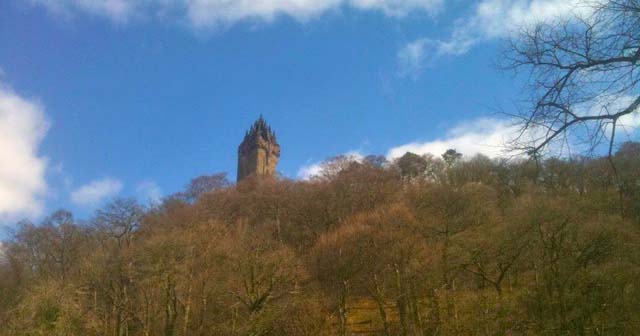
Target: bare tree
{"type": "Point", "coordinates": [584, 76]}
{"type": "Point", "coordinates": [202, 185]}
{"type": "Point", "coordinates": [120, 219]}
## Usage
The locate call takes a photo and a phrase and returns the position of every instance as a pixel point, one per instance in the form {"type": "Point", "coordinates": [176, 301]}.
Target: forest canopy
{"type": "Point", "coordinates": [419, 246]}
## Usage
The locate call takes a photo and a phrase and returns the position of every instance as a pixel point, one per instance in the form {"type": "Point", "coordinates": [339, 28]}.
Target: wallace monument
{"type": "Point", "coordinates": [259, 151]}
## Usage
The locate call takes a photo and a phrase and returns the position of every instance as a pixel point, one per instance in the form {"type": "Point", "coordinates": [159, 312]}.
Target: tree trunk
{"type": "Point", "coordinates": [379, 298]}
{"type": "Point", "coordinates": [342, 309]}
{"type": "Point", "coordinates": [187, 308]}
{"type": "Point", "coordinates": [401, 302]}
{"type": "Point", "coordinates": [415, 307]}
{"type": "Point", "coordinates": [170, 308]}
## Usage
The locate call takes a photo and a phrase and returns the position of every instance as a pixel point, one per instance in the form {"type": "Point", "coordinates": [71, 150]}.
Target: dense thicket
{"type": "Point", "coordinates": [420, 246]}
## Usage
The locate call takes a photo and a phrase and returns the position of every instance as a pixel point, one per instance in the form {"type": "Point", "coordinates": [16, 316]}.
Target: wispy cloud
{"type": "Point", "coordinates": [630, 122]}
{"type": "Point", "coordinates": [217, 13]}
{"type": "Point", "coordinates": [96, 192]}
{"type": "Point", "coordinates": [412, 57]}
{"type": "Point", "coordinates": [149, 191]}
{"type": "Point", "coordinates": [489, 20]}
{"type": "Point", "coordinates": [487, 136]}
{"type": "Point", "coordinates": [308, 171]}
{"type": "Point", "coordinates": [493, 137]}
{"type": "Point", "coordinates": [605, 104]}
{"type": "Point", "coordinates": [115, 10]}
{"type": "Point", "coordinates": [595, 136]}
{"type": "Point", "coordinates": [23, 126]}
{"type": "Point", "coordinates": [2, 253]}
{"type": "Point", "coordinates": [315, 169]}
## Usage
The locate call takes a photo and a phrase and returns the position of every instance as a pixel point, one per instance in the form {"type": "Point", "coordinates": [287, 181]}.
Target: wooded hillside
{"type": "Point", "coordinates": [419, 246]}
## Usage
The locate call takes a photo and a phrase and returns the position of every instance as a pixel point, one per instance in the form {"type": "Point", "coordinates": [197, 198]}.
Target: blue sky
{"type": "Point", "coordinates": [105, 98]}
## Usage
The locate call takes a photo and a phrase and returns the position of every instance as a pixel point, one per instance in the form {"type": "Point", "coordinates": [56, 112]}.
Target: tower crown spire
{"type": "Point", "coordinates": [260, 129]}
{"type": "Point", "coordinates": [259, 151]}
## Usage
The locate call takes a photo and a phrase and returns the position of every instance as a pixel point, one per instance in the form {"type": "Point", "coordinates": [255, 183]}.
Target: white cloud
{"type": "Point", "coordinates": [96, 191]}
{"type": "Point", "coordinates": [482, 136]}
{"type": "Point", "coordinates": [630, 121]}
{"type": "Point", "coordinates": [149, 191]}
{"type": "Point", "coordinates": [315, 169]}
{"type": "Point", "coordinates": [492, 19]}
{"type": "Point", "coordinates": [490, 137]}
{"type": "Point", "coordinates": [2, 253]}
{"type": "Point", "coordinates": [499, 18]}
{"type": "Point", "coordinates": [354, 155]}
{"type": "Point", "coordinates": [487, 136]}
{"type": "Point", "coordinates": [214, 13]}
{"type": "Point", "coordinates": [397, 7]}
{"type": "Point", "coordinates": [412, 57]}
{"type": "Point", "coordinates": [23, 126]}
{"type": "Point", "coordinates": [605, 104]}
{"type": "Point", "coordinates": [202, 13]}
{"type": "Point", "coordinates": [306, 172]}
{"type": "Point", "coordinates": [115, 10]}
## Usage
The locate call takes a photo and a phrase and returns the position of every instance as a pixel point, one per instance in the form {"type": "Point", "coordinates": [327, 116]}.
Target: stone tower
{"type": "Point", "coordinates": [259, 151]}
